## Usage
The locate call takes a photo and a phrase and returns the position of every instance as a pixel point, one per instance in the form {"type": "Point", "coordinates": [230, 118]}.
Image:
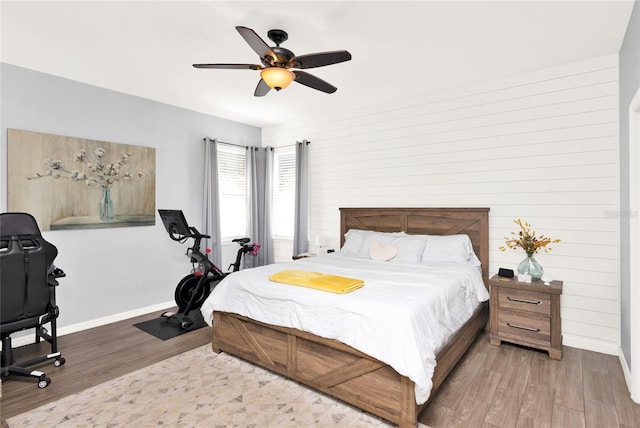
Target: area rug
{"type": "Point", "coordinates": [198, 389]}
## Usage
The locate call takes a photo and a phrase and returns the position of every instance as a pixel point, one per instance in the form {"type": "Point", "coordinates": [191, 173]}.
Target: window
{"type": "Point", "coordinates": [232, 173]}
{"type": "Point", "coordinates": [284, 186]}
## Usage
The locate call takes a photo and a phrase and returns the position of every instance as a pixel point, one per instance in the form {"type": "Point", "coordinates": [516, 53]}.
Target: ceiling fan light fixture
{"type": "Point", "coordinates": [277, 78]}
{"type": "Point", "coordinates": [276, 62]}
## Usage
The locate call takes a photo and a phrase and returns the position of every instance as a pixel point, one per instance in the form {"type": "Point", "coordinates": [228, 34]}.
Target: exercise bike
{"type": "Point", "coordinates": [193, 289]}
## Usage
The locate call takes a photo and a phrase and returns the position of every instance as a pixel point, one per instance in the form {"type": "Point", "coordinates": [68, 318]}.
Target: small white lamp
{"type": "Point", "coordinates": [319, 242]}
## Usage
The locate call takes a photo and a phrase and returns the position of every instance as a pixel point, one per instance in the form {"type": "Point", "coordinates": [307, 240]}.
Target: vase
{"type": "Point", "coordinates": [531, 267]}
{"type": "Point", "coordinates": [106, 205]}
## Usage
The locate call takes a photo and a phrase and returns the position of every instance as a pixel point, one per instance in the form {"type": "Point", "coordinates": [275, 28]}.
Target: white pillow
{"type": "Point", "coordinates": [371, 237]}
{"type": "Point", "coordinates": [353, 241]}
{"type": "Point", "coordinates": [410, 248]}
{"type": "Point", "coordinates": [382, 253]}
{"type": "Point", "coordinates": [449, 248]}
{"type": "Point", "coordinates": [357, 242]}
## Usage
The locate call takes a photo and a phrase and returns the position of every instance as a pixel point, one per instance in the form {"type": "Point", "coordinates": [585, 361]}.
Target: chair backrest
{"type": "Point", "coordinates": [25, 258]}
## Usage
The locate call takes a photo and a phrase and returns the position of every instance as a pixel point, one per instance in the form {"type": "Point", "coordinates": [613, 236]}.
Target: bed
{"type": "Point", "coordinates": [347, 372]}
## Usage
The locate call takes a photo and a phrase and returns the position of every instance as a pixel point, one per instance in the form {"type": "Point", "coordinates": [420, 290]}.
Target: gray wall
{"type": "Point", "coordinates": [629, 84]}
{"type": "Point", "coordinates": [119, 270]}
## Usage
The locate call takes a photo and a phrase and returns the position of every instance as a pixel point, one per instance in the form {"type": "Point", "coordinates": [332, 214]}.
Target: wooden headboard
{"type": "Point", "coordinates": [424, 221]}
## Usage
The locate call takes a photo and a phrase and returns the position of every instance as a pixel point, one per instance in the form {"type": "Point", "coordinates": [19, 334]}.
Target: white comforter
{"type": "Point", "coordinates": [403, 316]}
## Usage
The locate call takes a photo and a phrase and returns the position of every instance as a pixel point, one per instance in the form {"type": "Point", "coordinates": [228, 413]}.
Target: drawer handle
{"type": "Point", "coordinates": [531, 302]}
{"type": "Point", "coordinates": [521, 327]}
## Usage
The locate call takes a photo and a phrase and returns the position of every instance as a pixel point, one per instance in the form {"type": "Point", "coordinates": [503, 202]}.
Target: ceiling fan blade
{"type": "Point", "coordinates": [262, 89]}
{"type": "Point", "coordinates": [257, 44]}
{"type": "Point", "coordinates": [314, 82]}
{"type": "Point", "coordinates": [231, 66]}
{"type": "Point", "coordinates": [319, 59]}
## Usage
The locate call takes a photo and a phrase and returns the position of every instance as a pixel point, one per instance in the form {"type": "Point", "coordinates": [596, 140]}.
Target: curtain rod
{"type": "Point", "coordinates": [224, 142]}
{"type": "Point", "coordinates": [244, 147]}
{"type": "Point", "coordinates": [240, 145]}
{"type": "Point", "coordinates": [296, 143]}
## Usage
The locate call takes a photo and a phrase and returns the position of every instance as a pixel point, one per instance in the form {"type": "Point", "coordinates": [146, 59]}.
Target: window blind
{"type": "Point", "coordinates": [284, 182]}
{"type": "Point", "coordinates": [232, 173]}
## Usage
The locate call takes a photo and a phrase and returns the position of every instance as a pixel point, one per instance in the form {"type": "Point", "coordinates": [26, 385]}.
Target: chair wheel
{"type": "Point", "coordinates": [186, 324]}
{"type": "Point", "coordinates": [59, 361]}
{"type": "Point", "coordinates": [43, 382]}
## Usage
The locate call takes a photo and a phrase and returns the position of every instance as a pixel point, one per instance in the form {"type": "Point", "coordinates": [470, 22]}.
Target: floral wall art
{"type": "Point", "coordinates": [78, 183]}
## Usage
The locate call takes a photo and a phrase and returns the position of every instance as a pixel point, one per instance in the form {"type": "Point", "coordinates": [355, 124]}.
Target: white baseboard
{"type": "Point", "coordinates": [590, 344]}
{"type": "Point", "coordinates": [626, 371]}
{"type": "Point", "coordinates": [30, 338]}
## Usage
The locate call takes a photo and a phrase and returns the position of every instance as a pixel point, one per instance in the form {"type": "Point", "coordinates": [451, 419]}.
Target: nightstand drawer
{"type": "Point", "coordinates": [524, 326]}
{"type": "Point", "coordinates": [524, 300]}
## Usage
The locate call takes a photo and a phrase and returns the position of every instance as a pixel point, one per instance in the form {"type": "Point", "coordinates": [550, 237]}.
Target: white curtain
{"type": "Point", "coordinates": [301, 222]}
{"type": "Point", "coordinates": [211, 198]}
{"type": "Point", "coordinates": [259, 183]}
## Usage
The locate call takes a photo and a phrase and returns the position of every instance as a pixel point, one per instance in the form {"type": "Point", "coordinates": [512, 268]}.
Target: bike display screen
{"type": "Point", "coordinates": [174, 222]}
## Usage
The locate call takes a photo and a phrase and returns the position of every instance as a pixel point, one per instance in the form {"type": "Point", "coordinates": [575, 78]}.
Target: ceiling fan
{"type": "Point", "coordinates": [277, 61]}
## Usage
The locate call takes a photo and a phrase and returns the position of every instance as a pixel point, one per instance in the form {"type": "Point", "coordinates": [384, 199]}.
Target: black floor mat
{"type": "Point", "coordinates": [164, 328]}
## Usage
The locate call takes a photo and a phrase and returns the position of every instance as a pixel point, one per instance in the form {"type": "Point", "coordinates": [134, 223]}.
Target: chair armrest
{"type": "Point", "coordinates": [57, 273]}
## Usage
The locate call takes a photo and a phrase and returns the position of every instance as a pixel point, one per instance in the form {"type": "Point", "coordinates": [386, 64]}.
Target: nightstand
{"type": "Point", "coordinates": [527, 314]}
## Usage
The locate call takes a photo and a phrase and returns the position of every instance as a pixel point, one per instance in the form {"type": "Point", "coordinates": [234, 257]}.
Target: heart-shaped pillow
{"type": "Point", "coordinates": [382, 253]}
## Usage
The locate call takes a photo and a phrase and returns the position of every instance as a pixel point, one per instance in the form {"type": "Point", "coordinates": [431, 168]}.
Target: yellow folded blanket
{"type": "Point", "coordinates": [318, 281]}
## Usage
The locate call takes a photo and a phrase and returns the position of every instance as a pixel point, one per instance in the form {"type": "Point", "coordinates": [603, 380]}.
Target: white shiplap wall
{"type": "Point", "coordinates": [541, 146]}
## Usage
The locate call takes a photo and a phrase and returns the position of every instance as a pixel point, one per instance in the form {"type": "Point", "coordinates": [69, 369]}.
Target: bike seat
{"type": "Point", "coordinates": [241, 241]}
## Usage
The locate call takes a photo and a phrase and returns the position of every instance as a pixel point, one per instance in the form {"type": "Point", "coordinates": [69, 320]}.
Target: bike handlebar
{"type": "Point", "coordinates": [193, 234]}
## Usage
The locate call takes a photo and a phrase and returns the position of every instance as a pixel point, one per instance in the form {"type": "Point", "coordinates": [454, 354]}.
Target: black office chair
{"type": "Point", "coordinates": [27, 292]}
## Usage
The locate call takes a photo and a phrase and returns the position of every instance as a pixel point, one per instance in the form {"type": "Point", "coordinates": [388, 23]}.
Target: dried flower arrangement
{"type": "Point", "coordinates": [526, 239]}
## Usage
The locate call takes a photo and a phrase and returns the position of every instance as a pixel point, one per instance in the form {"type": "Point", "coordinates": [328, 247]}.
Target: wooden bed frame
{"type": "Point", "coordinates": [339, 370]}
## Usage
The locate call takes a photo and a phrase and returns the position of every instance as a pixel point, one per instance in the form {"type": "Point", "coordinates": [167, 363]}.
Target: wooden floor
{"type": "Point", "coordinates": [506, 386]}
{"type": "Point", "coordinates": [512, 386]}
{"type": "Point", "coordinates": [92, 356]}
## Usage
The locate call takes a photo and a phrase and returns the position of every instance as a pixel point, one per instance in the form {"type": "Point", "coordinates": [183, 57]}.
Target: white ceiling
{"type": "Point", "coordinates": [399, 49]}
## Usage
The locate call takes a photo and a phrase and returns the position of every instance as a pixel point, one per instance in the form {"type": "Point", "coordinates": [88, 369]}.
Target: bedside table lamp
{"type": "Point", "coordinates": [319, 244]}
